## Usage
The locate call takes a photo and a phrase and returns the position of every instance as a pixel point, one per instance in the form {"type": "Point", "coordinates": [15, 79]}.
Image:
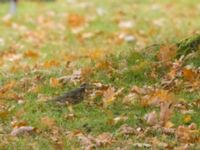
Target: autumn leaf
{"type": "Point", "coordinates": [117, 120]}
{"type": "Point", "coordinates": [160, 96]}
{"type": "Point", "coordinates": [109, 97]}
{"type": "Point", "coordinates": [151, 118]}
{"type": "Point", "coordinates": [187, 119]}
{"type": "Point", "coordinates": [104, 139]}
{"type": "Point", "coordinates": [47, 122]}
{"type": "Point", "coordinates": [166, 110]}
{"type": "Point", "coordinates": [189, 74]}
{"type": "Point", "coordinates": [166, 53]}
{"type": "Point", "coordinates": [75, 20]}
{"type": "Point", "coordinates": [22, 130]}
{"type": "Point", "coordinates": [126, 130]}
{"type": "Point", "coordinates": [187, 134]}
{"type": "Point", "coordinates": [51, 63]}
{"type": "Point", "coordinates": [54, 82]}
{"type": "Point", "coordinates": [31, 54]}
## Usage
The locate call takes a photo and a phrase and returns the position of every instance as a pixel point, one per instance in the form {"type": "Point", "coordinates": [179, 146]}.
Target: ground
{"type": "Point", "coordinates": [125, 48]}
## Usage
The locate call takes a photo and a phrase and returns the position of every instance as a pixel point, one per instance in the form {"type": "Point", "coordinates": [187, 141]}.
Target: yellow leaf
{"type": "Point", "coordinates": [48, 122]}
{"type": "Point", "coordinates": [51, 63]}
{"type": "Point", "coordinates": [187, 118]}
{"type": "Point", "coordinates": [31, 54]}
{"type": "Point", "coordinates": [189, 74]}
{"type": "Point", "coordinates": [76, 20]}
{"type": "Point", "coordinates": [168, 124]}
{"type": "Point", "coordinates": [54, 82]}
{"type": "Point", "coordinates": [108, 97]}
{"type": "Point", "coordinates": [166, 53]}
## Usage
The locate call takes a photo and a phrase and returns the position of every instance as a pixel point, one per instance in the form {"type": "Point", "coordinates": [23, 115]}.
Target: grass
{"type": "Point", "coordinates": [132, 64]}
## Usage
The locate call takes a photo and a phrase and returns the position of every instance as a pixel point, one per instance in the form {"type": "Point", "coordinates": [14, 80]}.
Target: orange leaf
{"type": "Point", "coordinates": [166, 53]}
{"type": "Point", "coordinates": [48, 122]}
{"type": "Point", "coordinates": [108, 97]}
{"type": "Point", "coordinates": [189, 74]}
{"type": "Point", "coordinates": [31, 54]}
{"type": "Point", "coordinates": [187, 118]}
{"type": "Point", "coordinates": [51, 63]}
{"type": "Point", "coordinates": [75, 20]}
{"type": "Point", "coordinates": [54, 82]}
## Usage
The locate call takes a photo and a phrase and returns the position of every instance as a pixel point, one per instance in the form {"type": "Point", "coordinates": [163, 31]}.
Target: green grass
{"type": "Point", "coordinates": [132, 65]}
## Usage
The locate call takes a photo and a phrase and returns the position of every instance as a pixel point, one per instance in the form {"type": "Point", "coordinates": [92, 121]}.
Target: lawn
{"type": "Point", "coordinates": [144, 97]}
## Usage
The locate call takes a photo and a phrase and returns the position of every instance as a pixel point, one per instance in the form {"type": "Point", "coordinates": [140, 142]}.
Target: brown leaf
{"type": "Point", "coordinates": [187, 118]}
{"type": "Point", "coordinates": [54, 82]}
{"type": "Point", "coordinates": [166, 53]}
{"type": "Point", "coordinates": [51, 63]}
{"type": "Point", "coordinates": [48, 122]}
{"type": "Point", "coordinates": [76, 20]}
{"type": "Point", "coordinates": [152, 118]}
{"type": "Point", "coordinates": [109, 97]}
{"type": "Point", "coordinates": [165, 112]}
{"type": "Point", "coordinates": [117, 120]}
{"type": "Point", "coordinates": [31, 54]}
{"type": "Point", "coordinates": [86, 141]}
{"type": "Point", "coordinates": [189, 74]}
{"type": "Point", "coordinates": [22, 130]}
{"type": "Point", "coordinates": [187, 134]}
{"type": "Point", "coordinates": [104, 139]}
{"type": "Point", "coordinates": [127, 130]}
{"type": "Point", "coordinates": [160, 96]}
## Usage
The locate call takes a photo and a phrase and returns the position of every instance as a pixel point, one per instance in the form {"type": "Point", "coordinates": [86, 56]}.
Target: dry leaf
{"type": "Point", "coordinates": [86, 141]}
{"type": "Point", "coordinates": [189, 74]}
{"type": "Point", "coordinates": [54, 82]}
{"type": "Point", "coordinates": [187, 134]}
{"type": "Point", "coordinates": [48, 122]}
{"type": "Point", "coordinates": [151, 118]}
{"type": "Point", "coordinates": [22, 130]}
{"type": "Point", "coordinates": [128, 24]}
{"type": "Point", "coordinates": [165, 112]}
{"type": "Point", "coordinates": [51, 63]}
{"type": "Point", "coordinates": [109, 97]}
{"type": "Point", "coordinates": [104, 139]}
{"type": "Point", "coordinates": [142, 145]}
{"type": "Point", "coordinates": [31, 54]}
{"type": "Point", "coordinates": [160, 96]}
{"type": "Point", "coordinates": [126, 130]}
{"type": "Point", "coordinates": [75, 20]}
{"type": "Point", "coordinates": [118, 119]}
{"type": "Point", "coordinates": [187, 118]}
{"type": "Point", "coordinates": [166, 53]}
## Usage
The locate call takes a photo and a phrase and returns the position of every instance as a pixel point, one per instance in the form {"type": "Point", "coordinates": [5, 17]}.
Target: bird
{"type": "Point", "coordinates": [74, 96]}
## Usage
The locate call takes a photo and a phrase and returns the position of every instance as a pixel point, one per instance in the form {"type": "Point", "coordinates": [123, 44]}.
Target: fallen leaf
{"type": "Point", "coordinates": [76, 20]}
{"type": "Point", "coordinates": [86, 141]}
{"type": "Point", "coordinates": [126, 130]}
{"type": "Point", "coordinates": [51, 63]}
{"type": "Point", "coordinates": [109, 97]}
{"type": "Point", "coordinates": [165, 112]}
{"type": "Point", "coordinates": [54, 82]}
{"type": "Point", "coordinates": [104, 139]}
{"type": "Point", "coordinates": [126, 24]}
{"type": "Point", "coordinates": [47, 122]}
{"type": "Point", "coordinates": [142, 145]}
{"type": "Point", "coordinates": [189, 74]}
{"type": "Point", "coordinates": [151, 118]}
{"type": "Point", "coordinates": [117, 120]}
{"type": "Point", "coordinates": [187, 119]}
{"type": "Point", "coordinates": [187, 134]}
{"type": "Point", "coordinates": [166, 53]}
{"type": "Point", "coordinates": [22, 130]}
{"type": "Point", "coordinates": [31, 54]}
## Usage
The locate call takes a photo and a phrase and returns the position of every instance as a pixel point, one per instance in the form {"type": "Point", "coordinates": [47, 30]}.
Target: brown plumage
{"type": "Point", "coordinates": [72, 97]}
